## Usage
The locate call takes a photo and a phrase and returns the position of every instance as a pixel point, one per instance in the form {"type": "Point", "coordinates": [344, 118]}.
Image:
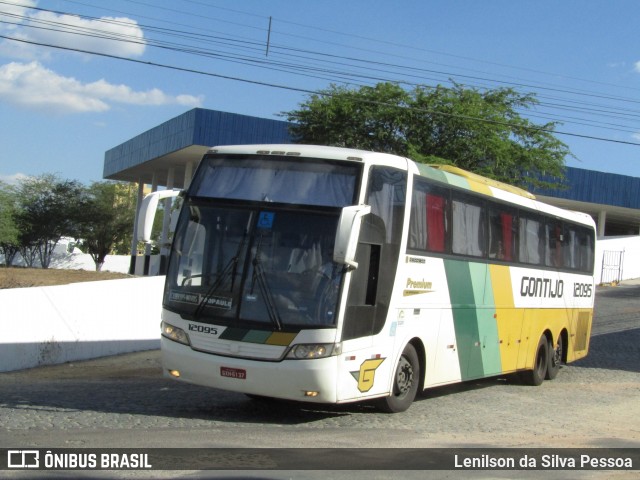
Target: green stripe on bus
{"type": "Point", "coordinates": [432, 173]}
{"type": "Point", "coordinates": [487, 322]}
{"type": "Point", "coordinates": [257, 336]}
{"type": "Point", "coordinates": [457, 181]}
{"type": "Point", "coordinates": [476, 328]}
{"type": "Point", "coordinates": [232, 333]}
{"type": "Point", "coordinates": [465, 318]}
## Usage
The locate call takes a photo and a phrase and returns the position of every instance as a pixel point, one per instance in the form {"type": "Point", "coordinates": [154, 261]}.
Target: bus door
{"type": "Point", "coordinates": [369, 365]}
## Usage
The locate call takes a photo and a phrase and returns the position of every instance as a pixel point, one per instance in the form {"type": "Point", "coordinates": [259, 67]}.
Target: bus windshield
{"type": "Point", "coordinates": [257, 262]}
{"type": "Point", "coordinates": [319, 183]}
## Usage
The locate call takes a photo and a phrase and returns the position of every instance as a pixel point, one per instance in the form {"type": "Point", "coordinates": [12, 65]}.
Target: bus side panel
{"type": "Point", "coordinates": [365, 366]}
{"type": "Point", "coordinates": [425, 303]}
{"type": "Point", "coordinates": [446, 364]}
{"type": "Point", "coordinates": [540, 320]}
{"type": "Point", "coordinates": [487, 320]}
{"type": "Point", "coordinates": [553, 301]}
{"type": "Point", "coordinates": [476, 329]}
{"type": "Point", "coordinates": [509, 319]}
{"type": "Point", "coordinates": [579, 334]}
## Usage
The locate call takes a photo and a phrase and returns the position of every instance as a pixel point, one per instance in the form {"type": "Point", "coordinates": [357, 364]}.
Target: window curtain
{"type": "Point", "coordinates": [467, 229]}
{"type": "Point", "coordinates": [530, 241]}
{"type": "Point", "coordinates": [436, 226]}
{"type": "Point", "coordinates": [418, 224]}
{"type": "Point", "coordinates": [507, 236]}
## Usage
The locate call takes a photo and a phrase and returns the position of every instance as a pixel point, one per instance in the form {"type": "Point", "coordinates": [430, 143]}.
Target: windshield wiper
{"type": "Point", "coordinates": [260, 277]}
{"type": "Point", "coordinates": [231, 267]}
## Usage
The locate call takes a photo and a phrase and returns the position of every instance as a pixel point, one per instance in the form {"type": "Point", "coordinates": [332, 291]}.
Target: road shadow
{"type": "Point", "coordinates": [614, 351]}
{"type": "Point", "coordinates": [136, 387]}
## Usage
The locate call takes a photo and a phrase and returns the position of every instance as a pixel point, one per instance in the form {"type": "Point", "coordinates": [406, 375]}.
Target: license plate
{"type": "Point", "coordinates": [239, 373]}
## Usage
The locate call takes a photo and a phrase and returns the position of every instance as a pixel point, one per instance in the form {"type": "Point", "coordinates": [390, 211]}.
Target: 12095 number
{"type": "Point", "coordinates": [203, 329]}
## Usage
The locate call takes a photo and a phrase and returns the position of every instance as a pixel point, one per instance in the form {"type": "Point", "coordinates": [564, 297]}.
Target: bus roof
{"type": "Point", "coordinates": [314, 151]}
{"type": "Point", "coordinates": [447, 174]}
{"type": "Point", "coordinates": [475, 178]}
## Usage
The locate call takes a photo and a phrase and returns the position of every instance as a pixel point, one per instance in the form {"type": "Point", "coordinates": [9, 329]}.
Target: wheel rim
{"type": "Point", "coordinates": [404, 377]}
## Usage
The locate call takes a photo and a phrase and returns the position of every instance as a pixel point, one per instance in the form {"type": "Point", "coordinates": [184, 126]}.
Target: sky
{"type": "Point", "coordinates": [80, 77]}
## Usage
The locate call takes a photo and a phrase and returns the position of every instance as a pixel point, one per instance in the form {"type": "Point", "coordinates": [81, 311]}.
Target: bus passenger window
{"type": "Point", "coordinates": [467, 228]}
{"type": "Point", "coordinates": [531, 240]}
{"type": "Point", "coordinates": [436, 223]}
{"type": "Point", "coordinates": [585, 249]}
{"type": "Point", "coordinates": [503, 235]}
{"type": "Point", "coordinates": [429, 225]}
{"type": "Point", "coordinates": [554, 239]}
{"type": "Point", "coordinates": [570, 249]}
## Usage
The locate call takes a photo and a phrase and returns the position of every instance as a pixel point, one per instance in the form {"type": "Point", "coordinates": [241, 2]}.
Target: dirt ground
{"type": "Point", "coordinates": [38, 277]}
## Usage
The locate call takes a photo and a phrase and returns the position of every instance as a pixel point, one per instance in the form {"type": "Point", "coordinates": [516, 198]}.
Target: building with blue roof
{"type": "Point", "coordinates": [166, 156]}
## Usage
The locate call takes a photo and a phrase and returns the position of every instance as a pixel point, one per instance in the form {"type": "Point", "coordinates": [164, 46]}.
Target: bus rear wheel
{"type": "Point", "coordinates": [405, 383]}
{"type": "Point", "coordinates": [537, 374]}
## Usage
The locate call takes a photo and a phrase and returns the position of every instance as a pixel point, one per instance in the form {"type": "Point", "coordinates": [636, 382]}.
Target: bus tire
{"type": "Point", "coordinates": [555, 358]}
{"type": "Point", "coordinates": [405, 383]}
{"type": "Point", "coordinates": [537, 374]}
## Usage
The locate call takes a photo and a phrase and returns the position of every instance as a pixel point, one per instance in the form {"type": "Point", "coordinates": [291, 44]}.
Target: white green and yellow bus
{"type": "Point", "coordinates": [334, 275]}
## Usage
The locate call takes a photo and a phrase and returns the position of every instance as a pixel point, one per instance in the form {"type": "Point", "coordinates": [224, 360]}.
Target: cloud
{"type": "Point", "coordinates": [18, 8]}
{"type": "Point", "coordinates": [109, 35]}
{"type": "Point", "coordinates": [14, 179]}
{"type": "Point", "coordinates": [636, 67]}
{"type": "Point", "coordinates": [33, 86]}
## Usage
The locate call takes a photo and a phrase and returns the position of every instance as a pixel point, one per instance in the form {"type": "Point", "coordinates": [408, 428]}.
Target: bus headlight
{"type": "Point", "coordinates": [313, 350]}
{"type": "Point", "coordinates": [174, 333]}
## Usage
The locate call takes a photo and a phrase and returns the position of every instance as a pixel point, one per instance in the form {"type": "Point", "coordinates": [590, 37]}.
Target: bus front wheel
{"type": "Point", "coordinates": [537, 374]}
{"type": "Point", "coordinates": [405, 383]}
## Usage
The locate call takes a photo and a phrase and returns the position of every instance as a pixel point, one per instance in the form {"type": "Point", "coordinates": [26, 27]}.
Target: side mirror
{"type": "Point", "coordinates": [347, 235]}
{"type": "Point", "coordinates": [147, 212]}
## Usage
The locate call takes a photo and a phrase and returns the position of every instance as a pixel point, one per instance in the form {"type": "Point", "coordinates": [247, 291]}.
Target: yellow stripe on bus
{"type": "Point", "coordinates": [508, 318]}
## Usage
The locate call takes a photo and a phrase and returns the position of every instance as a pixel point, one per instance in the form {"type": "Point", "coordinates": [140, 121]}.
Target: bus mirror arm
{"type": "Point", "coordinates": [147, 212]}
{"type": "Point", "coordinates": [348, 233]}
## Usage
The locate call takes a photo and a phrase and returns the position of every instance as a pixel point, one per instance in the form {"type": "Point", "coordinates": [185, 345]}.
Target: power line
{"type": "Point", "coordinates": [361, 70]}
{"type": "Point", "coordinates": [313, 92]}
{"type": "Point", "coordinates": [370, 62]}
{"type": "Point", "coordinates": [264, 30]}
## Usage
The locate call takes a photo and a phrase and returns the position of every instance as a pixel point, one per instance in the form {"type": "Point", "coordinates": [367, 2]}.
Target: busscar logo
{"type": "Point", "coordinates": [23, 459]}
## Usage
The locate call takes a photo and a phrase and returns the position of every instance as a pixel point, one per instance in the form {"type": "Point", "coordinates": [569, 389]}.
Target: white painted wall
{"type": "Point", "coordinates": [50, 325]}
{"type": "Point", "coordinates": [631, 248]}
{"type": "Point", "coordinates": [66, 256]}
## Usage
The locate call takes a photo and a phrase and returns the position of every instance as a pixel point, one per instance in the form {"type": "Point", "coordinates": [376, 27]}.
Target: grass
{"type": "Point", "coordinates": [37, 277]}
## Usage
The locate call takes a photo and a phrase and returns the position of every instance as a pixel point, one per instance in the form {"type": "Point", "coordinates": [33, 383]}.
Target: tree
{"type": "Point", "coordinates": [107, 220]}
{"type": "Point", "coordinates": [49, 209]}
{"type": "Point", "coordinates": [9, 245]}
{"type": "Point", "coordinates": [480, 131]}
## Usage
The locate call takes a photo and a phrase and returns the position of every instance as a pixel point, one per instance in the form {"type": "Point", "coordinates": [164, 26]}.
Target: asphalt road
{"type": "Point", "coordinates": [124, 402]}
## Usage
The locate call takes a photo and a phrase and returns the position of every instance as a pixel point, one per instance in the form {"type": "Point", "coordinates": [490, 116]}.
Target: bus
{"type": "Point", "coordinates": [332, 275]}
